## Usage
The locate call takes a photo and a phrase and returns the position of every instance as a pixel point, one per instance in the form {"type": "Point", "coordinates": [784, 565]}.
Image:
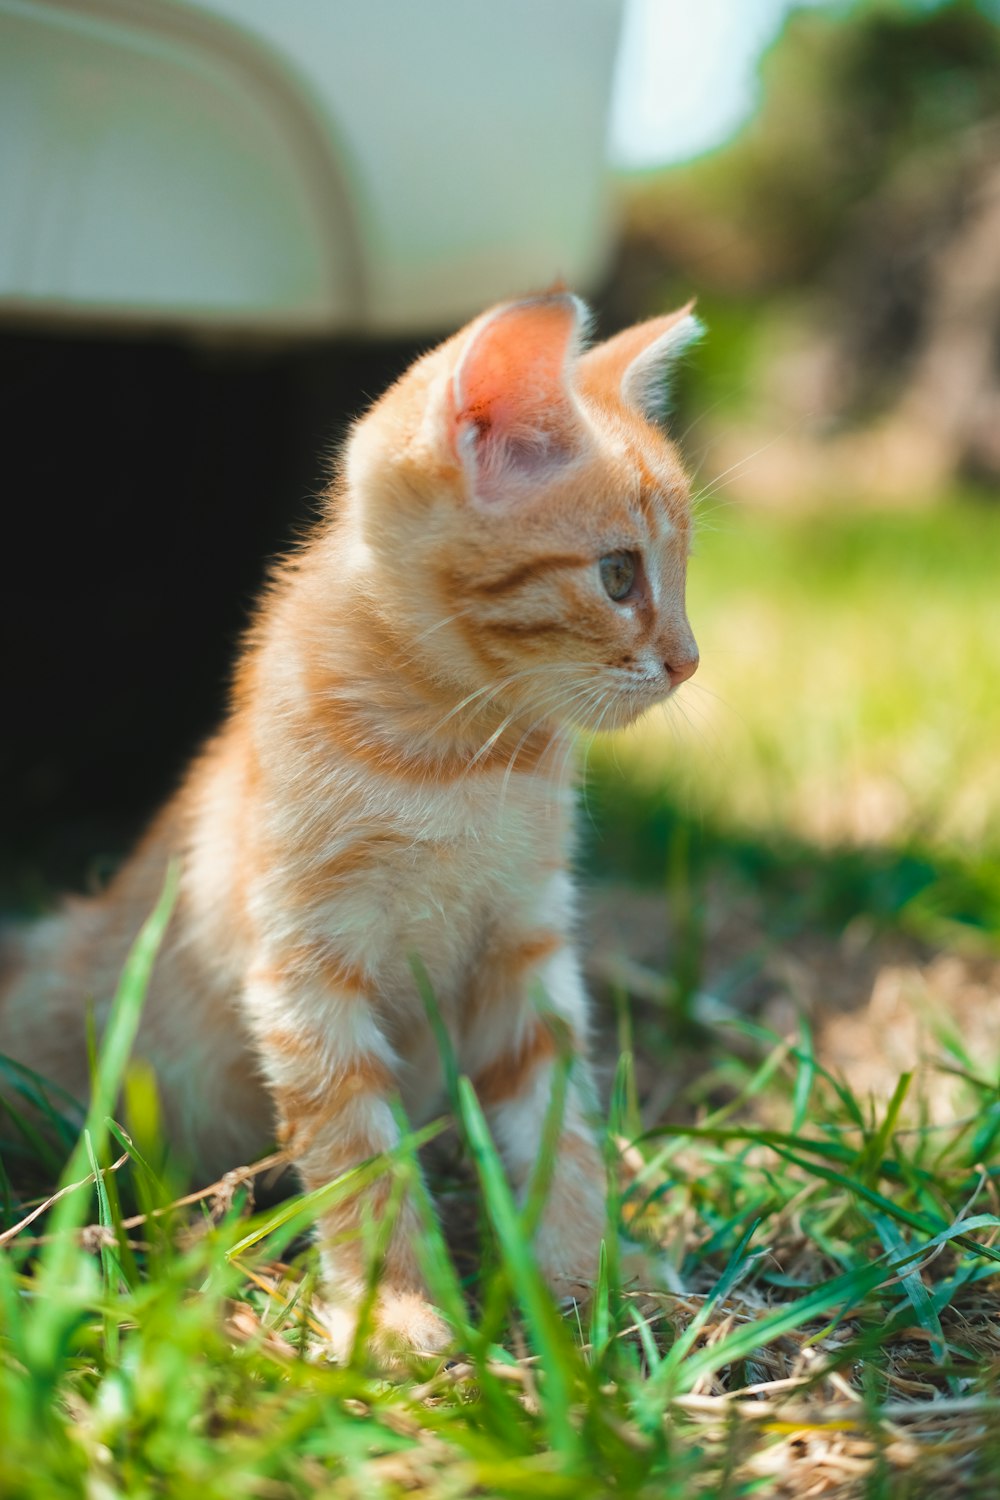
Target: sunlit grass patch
{"type": "Point", "coordinates": [850, 679]}
{"type": "Point", "coordinates": [839, 749]}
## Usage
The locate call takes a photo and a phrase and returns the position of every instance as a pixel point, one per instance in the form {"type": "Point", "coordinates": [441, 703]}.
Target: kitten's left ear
{"type": "Point", "coordinates": [510, 415]}
{"type": "Point", "coordinates": [637, 362]}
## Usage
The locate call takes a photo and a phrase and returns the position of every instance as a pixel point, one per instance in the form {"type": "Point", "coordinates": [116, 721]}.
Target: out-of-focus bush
{"type": "Point", "coordinates": [846, 248]}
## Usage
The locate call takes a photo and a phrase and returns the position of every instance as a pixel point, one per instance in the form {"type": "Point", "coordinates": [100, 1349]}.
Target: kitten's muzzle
{"type": "Point", "coordinates": [680, 670]}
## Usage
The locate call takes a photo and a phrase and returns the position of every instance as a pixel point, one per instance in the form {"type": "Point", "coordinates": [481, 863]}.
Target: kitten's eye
{"type": "Point", "coordinates": [618, 574]}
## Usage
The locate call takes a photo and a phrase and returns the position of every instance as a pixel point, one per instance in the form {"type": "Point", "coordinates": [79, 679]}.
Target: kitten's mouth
{"type": "Point", "coordinates": [640, 702]}
{"type": "Point", "coordinates": [624, 705]}
{"type": "Point", "coordinates": [642, 693]}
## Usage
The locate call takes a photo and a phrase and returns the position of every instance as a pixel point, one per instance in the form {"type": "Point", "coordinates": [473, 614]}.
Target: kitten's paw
{"type": "Point", "coordinates": [404, 1327]}
{"type": "Point", "coordinates": [407, 1326]}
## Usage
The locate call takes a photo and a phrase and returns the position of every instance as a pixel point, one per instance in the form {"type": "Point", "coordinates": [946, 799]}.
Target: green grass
{"type": "Point", "coordinates": [825, 1311]}
{"type": "Point", "coordinates": [144, 1363]}
{"type": "Point", "coordinates": [848, 687]}
{"type": "Point", "coordinates": [840, 741]}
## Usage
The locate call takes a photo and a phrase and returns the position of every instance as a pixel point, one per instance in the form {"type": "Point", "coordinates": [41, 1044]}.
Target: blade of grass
{"type": "Point", "coordinates": [894, 1210]}
{"type": "Point", "coordinates": [548, 1146]}
{"type": "Point", "coordinates": [431, 1248]}
{"type": "Point", "coordinates": [847, 1290]}
{"type": "Point", "coordinates": [762, 1034]}
{"type": "Point", "coordinates": [917, 1294]}
{"type": "Point", "coordinates": [64, 1277]}
{"type": "Point", "coordinates": [442, 1039]}
{"type": "Point", "coordinates": [831, 1150]}
{"type": "Point", "coordinates": [41, 1092]}
{"type": "Point", "coordinates": [875, 1149]}
{"type": "Point", "coordinates": [375, 1237]}
{"type": "Point", "coordinates": [119, 1035]}
{"type": "Point", "coordinates": [662, 1379]}
{"type": "Point", "coordinates": [111, 1271]}
{"type": "Point", "coordinates": [545, 1328]}
{"type": "Point", "coordinates": [804, 1077]}
{"type": "Point", "coordinates": [776, 1141]}
{"type": "Point", "coordinates": [600, 1310]}
{"type": "Point", "coordinates": [281, 1225]}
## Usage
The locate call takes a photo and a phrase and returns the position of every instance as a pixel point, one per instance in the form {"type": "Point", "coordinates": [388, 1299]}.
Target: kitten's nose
{"type": "Point", "coordinates": [680, 671]}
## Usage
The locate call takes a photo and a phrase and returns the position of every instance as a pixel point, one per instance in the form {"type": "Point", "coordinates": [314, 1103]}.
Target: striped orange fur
{"type": "Point", "coordinates": [504, 1076]}
{"type": "Point", "coordinates": [502, 561]}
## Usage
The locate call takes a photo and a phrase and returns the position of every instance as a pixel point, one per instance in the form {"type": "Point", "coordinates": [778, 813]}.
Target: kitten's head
{"type": "Point", "coordinates": [521, 510]}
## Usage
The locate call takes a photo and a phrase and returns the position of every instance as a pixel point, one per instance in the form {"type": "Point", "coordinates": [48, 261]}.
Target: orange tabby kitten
{"type": "Point", "coordinates": [503, 560]}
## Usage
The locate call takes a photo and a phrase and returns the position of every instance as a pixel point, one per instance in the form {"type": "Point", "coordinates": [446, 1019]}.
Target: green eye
{"type": "Point", "coordinates": [618, 574]}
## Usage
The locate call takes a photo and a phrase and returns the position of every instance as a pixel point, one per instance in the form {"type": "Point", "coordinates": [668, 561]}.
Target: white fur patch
{"type": "Point", "coordinates": [645, 385]}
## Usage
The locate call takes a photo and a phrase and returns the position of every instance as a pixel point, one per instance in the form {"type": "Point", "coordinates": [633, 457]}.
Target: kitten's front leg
{"type": "Point", "coordinates": [515, 1090]}
{"type": "Point", "coordinates": [332, 1073]}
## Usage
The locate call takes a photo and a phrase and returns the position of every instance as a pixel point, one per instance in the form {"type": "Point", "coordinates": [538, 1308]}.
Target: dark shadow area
{"type": "Point", "coordinates": [149, 481]}
{"type": "Point", "coordinates": [638, 834]}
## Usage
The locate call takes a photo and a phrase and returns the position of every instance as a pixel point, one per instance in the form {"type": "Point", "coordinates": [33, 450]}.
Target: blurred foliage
{"type": "Point", "coordinates": [842, 246]}
{"type": "Point", "coordinates": [851, 94]}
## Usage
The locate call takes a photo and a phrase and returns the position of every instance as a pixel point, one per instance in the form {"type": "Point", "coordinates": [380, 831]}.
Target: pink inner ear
{"type": "Point", "coordinates": [513, 417]}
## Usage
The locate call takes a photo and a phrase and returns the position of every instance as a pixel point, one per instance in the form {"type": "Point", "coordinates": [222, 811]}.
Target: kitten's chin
{"type": "Point", "coordinates": [622, 711]}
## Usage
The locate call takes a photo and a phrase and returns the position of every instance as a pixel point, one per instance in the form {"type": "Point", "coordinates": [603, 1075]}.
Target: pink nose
{"type": "Point", "coordinates": [680, 671]}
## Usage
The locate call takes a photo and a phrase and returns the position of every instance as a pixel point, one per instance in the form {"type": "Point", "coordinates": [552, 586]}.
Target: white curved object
{"type": "Point", "coordinates": [304, 166]}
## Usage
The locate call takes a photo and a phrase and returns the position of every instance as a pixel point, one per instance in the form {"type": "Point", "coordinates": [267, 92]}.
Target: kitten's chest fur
{"type": "Point", "coordinates": [376, 875]}
{"type": "Point", "coordinates": [455, 875]}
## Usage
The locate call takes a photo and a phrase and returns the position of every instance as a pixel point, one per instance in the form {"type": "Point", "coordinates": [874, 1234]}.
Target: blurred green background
{"type": "Point", "coordinates": [840, 745]}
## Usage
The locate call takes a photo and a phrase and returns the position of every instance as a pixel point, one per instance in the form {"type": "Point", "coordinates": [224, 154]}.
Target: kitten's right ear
{"type": "Point", "coordinates": [638, 361]}
{"type": "Point", "coordinates": [510, 417]}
